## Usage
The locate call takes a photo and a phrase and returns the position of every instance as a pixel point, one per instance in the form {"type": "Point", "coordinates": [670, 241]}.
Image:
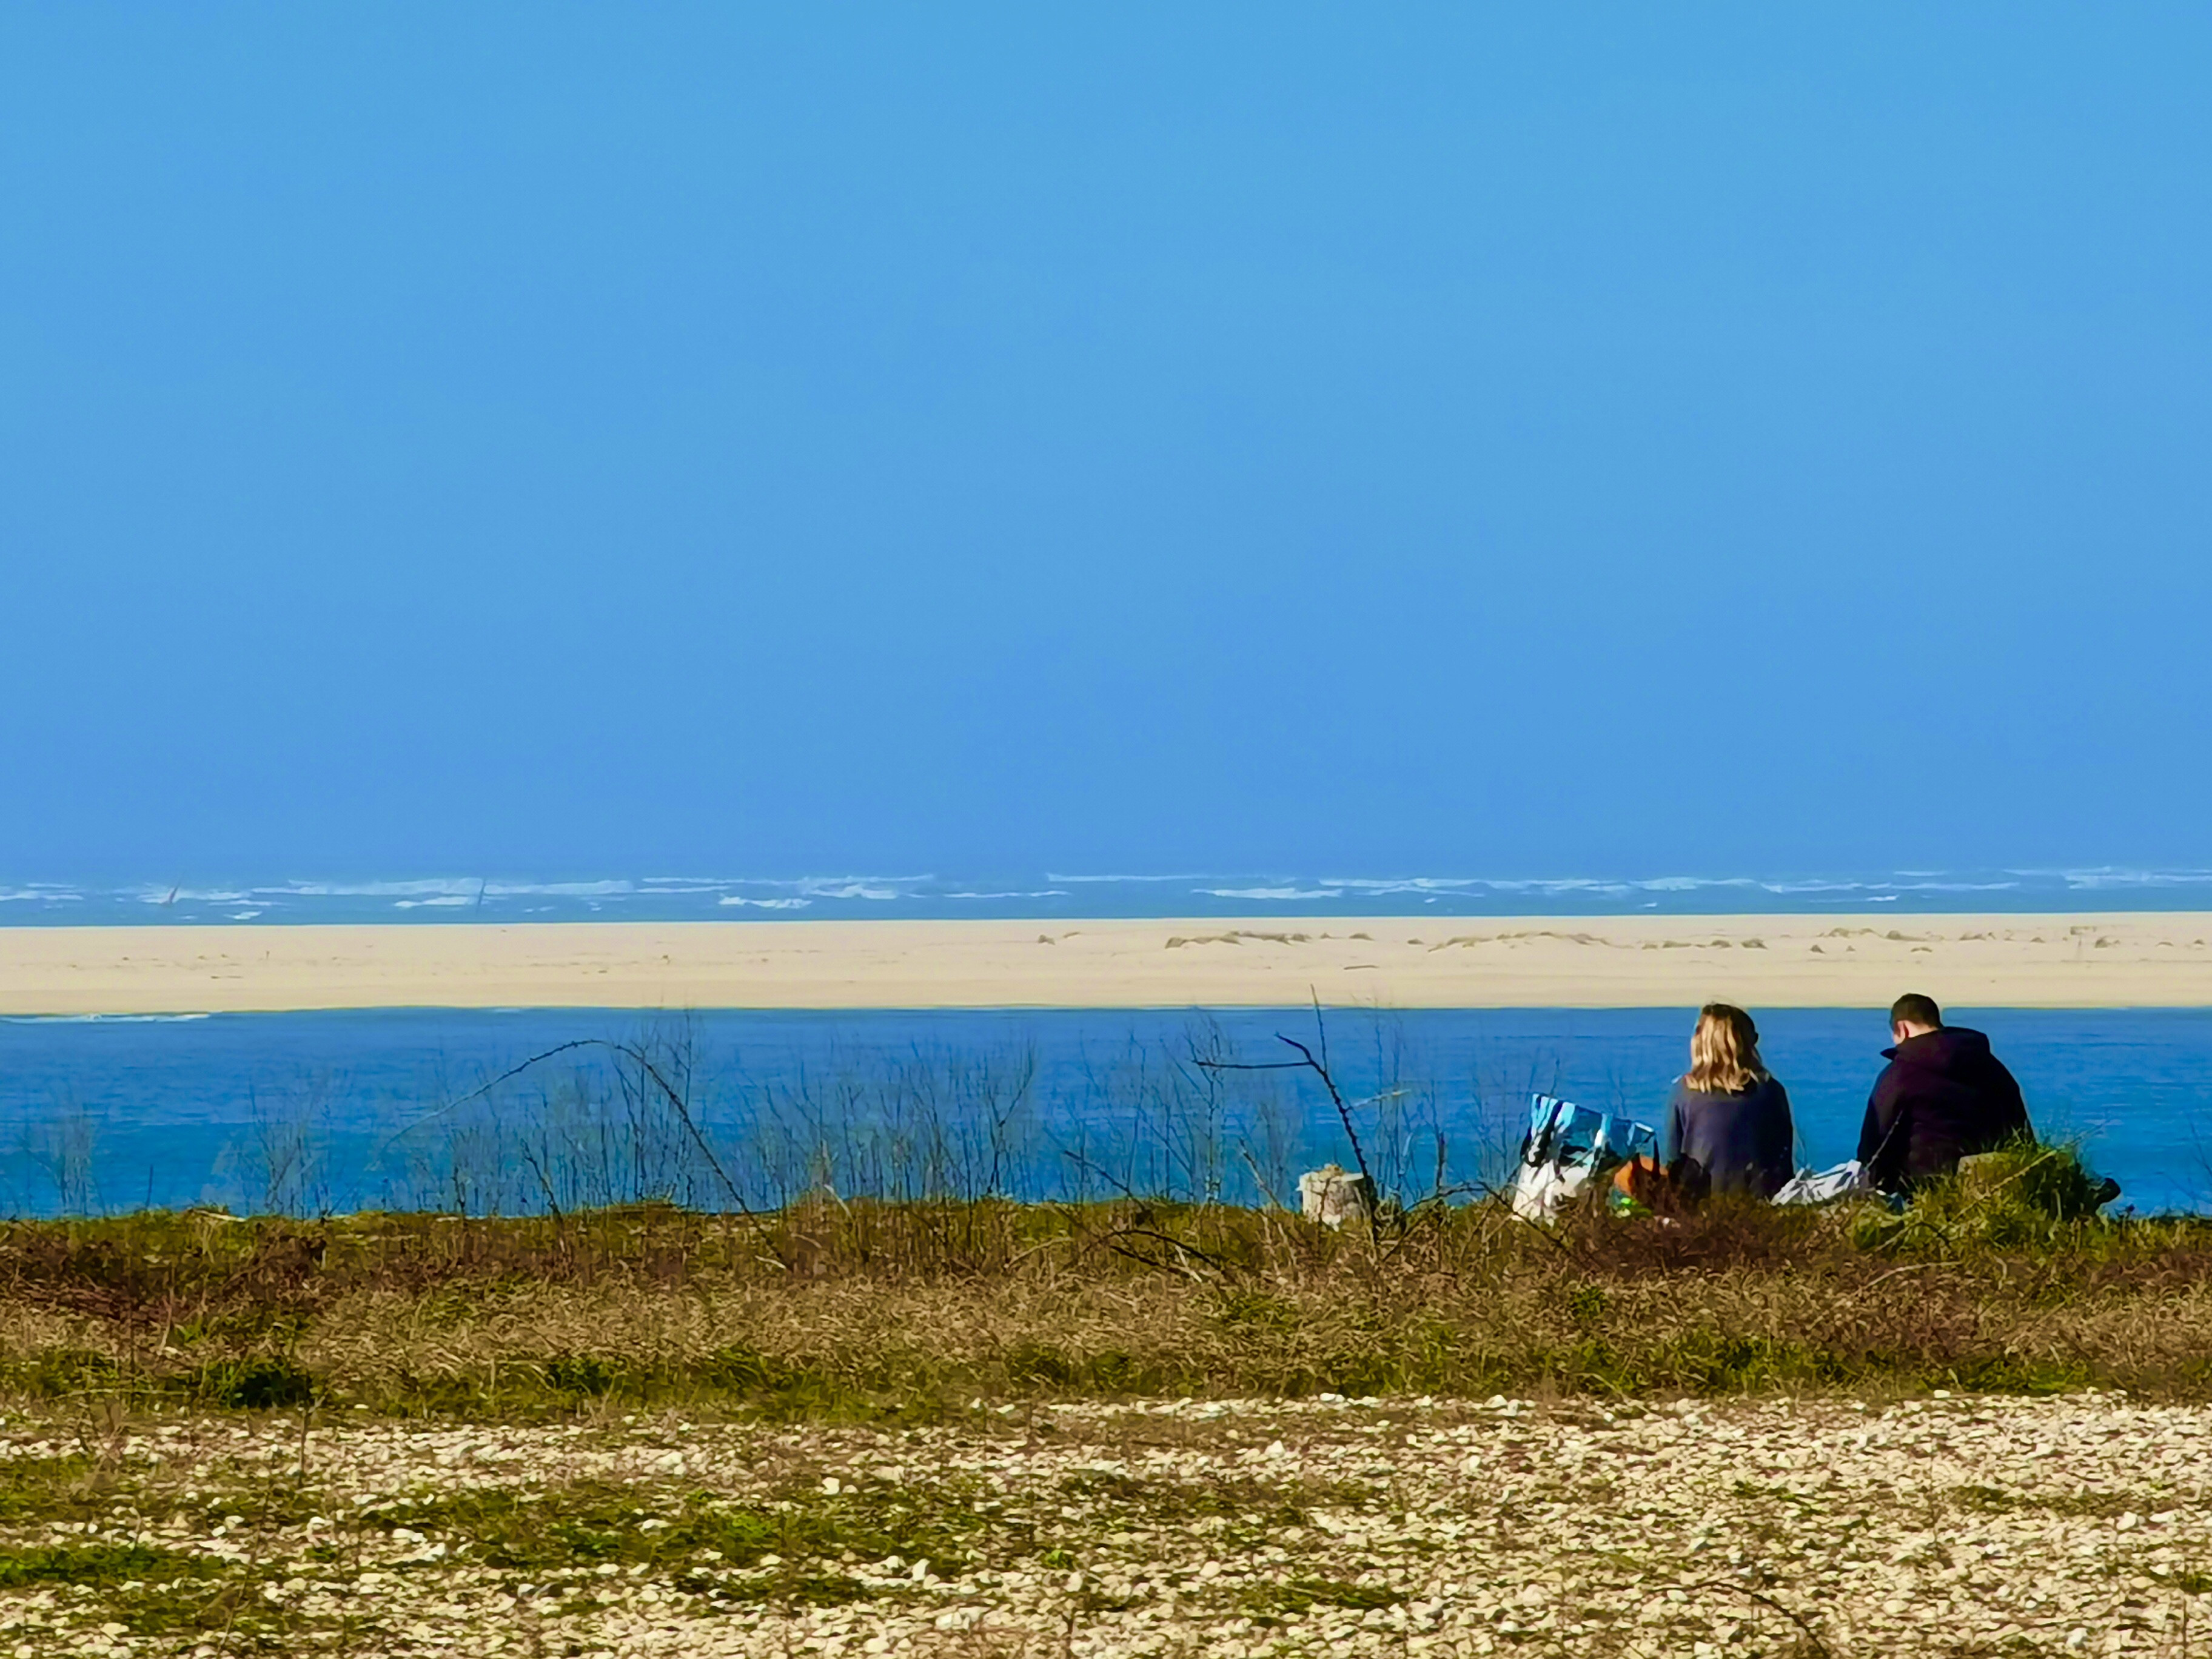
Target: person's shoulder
{"type": "Point", "coordinates": [1688, 1098]}
{"type": "Point", "coordinates": [1896, 1074]}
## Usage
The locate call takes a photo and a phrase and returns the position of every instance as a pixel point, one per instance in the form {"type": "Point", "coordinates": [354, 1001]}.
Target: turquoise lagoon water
{"type": "Point", "coordinates": [344, 1110]}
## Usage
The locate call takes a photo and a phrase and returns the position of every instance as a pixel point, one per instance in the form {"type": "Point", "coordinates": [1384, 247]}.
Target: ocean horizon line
{"type": "Point", "coordinates": [1058, 895]}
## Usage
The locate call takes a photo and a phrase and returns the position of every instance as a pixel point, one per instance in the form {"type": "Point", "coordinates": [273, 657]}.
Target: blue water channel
{"type": "Point", "coordinates": [336, 1111]}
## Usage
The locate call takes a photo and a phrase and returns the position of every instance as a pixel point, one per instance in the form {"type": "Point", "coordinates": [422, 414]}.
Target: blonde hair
{"type": "Point", "coordinates": [1724, 1051]}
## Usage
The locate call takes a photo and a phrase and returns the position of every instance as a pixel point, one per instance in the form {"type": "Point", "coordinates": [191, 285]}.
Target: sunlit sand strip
{"type": "Point", "coordinates": [2156, 960]}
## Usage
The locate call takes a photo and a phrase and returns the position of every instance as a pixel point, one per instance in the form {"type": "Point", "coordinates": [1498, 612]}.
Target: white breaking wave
{"type": "Point", "coordinates": [1055, 875]}
{"type": "Point", "coordinates": [99, 1019]}
{"type": "Point", "coordinates": [1271, 892]}
{"type": "Point", "coordinates": [433, 887]}
{"type": "Point", "coordinates": [1956, 886]}
{"type": "Point", "coordinates": [1404, 883]}
{"type": "Point", "coordinates": [558, 889]}
{"type": "Point", "coordinates": [1567, 884]}
{"type": "Point", "coordinates": [2094, 880]}
{"type": "Point", "coordinates": [1813, 886]}
{"type": "Point", "coordinates": [766, 904]}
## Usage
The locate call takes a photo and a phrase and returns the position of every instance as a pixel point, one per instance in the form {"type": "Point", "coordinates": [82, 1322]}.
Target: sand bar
{"type": "Point", "coordinates": [2131, 960]}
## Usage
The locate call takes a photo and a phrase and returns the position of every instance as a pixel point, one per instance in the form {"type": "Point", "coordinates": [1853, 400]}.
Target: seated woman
{"type": "Point", "coordinates": [1727, 1121]}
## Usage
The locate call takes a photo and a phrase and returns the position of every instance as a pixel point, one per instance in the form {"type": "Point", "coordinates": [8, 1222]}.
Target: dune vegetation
{"type": "Point", "coordinates": [851, 1309]}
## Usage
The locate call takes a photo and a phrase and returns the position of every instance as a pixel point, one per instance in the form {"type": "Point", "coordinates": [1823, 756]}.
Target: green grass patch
{"type": "Point", "coordinates": [258, 1382]}
{"type": "Point", "coordinates": [150, 1591]}
{"type": "Point", "coordinates": [1998, 1500]}
{"type": "Point", "coordinates": [1255, 1504]}
{"type": "Point", "coordinates": [591, 1524]}
{"type": "Point", "coordinates": [100, 1566]}
{"type": "Point", "coordinates": [72, 1487]}
{"type": "Point", "coordinates": [2187, 1580]}
{"type": "Point", "coordinates": [1303, 1595]}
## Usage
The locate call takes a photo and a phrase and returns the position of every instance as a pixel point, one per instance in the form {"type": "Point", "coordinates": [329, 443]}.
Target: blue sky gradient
{"type": "Point", "coordinates": [1487, 440]}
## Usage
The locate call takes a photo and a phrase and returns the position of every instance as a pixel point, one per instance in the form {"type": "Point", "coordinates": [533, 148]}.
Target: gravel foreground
{"type": "Point", "coordinates": [1947, 1526]}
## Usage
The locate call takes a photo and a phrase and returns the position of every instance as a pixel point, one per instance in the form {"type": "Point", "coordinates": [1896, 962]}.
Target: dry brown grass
{"type": "Point", "coordinates": [837, 1310]}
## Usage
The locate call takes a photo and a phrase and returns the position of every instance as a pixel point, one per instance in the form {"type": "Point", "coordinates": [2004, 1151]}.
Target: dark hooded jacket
{"type": "Point", "coordinates": [1942, 1097]}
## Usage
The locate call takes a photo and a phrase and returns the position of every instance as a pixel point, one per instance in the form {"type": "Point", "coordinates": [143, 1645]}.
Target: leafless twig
{"type": "Point", "coordinates": [1319, 1067]}
{"type": "Point", "coordinates": [1765, 1601]}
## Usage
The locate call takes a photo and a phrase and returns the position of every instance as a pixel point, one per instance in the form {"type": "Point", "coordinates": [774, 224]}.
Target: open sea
{"type": "Point", "coordinates": [1050, 895]}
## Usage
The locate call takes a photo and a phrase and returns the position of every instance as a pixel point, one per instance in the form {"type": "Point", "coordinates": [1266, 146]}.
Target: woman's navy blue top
{"type": "Point", "coordinates": [1744, 1142]}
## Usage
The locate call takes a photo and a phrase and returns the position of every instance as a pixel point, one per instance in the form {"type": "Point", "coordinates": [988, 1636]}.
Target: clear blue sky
{"type": "Point", "coordinates": [1514, 440]}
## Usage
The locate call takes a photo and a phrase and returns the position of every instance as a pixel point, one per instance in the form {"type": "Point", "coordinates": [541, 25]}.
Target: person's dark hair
{"type": "Point", "coordinates": [1913, 1009]}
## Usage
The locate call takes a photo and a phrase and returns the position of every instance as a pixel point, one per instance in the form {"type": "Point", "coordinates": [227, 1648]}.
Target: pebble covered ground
{"type": "Point", "coordinates": [1981, 1525]}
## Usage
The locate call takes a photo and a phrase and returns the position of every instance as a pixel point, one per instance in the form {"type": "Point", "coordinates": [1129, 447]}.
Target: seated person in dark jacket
{"type": "Point", "coordinates": [1727, 1121]}
{"type": "Point", "coordinates": [1942, 1097]}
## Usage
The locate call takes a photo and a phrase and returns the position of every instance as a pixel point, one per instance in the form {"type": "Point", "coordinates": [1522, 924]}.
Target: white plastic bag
{"type": "Point", "coordinates": [1823, 1185]}
{"type": "Point", "coordinates": [1567, 1147]}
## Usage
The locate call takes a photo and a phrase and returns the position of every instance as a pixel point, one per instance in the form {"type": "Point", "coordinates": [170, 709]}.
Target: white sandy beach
{"type": "Point", "coordinates": [2136, 959]}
